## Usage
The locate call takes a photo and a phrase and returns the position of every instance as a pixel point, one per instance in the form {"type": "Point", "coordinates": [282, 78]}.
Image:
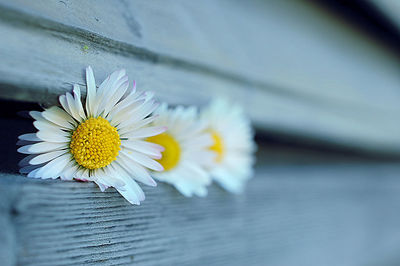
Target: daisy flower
{"type": "Point", "coordinates": [233, 144]}
{"type": "Point", "coordinates": [102, 141]}
{"type": "Point", "coordinates": [186, 150]}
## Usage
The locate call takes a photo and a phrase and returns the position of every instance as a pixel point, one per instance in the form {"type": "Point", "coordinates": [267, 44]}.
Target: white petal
{"type": "Point", "coordinates": [201, 192]}
{"type": "Point", "coordinates": [109, 177]}
{"type": "Point", "coordinates": [64, 103]}
{"type": "Point", "coordinates": [124, 110]}
{"type": "Point", "coordinates": [151, 149]}
{"type": "Point", "coordinates": [200, 142]}
{"type": "Point", "coordinates": [25, 161]}
{"type": "Point", "coordinates": [33, 173]}
{"type": "Point", "coordinates": [137, 171]}
{"type": "Point", "coordinates": [112, 101]}
{"type": "Point", "coordinates": [141, 113]}
{"type": "Point", "coordinates": [29, 137]}
{"type": "Point", "coordinates": [129, 91]}
{"type": "Point", "coordinates": [108, 90]}
{"type": "Point", "coordinates": [78, 102]}
{"type": "Point", "coordinates": [185, 188]}
{"type": "Point", "coordinates": [110, 81]}
{"type": "Point", "coordinates": [46, 126]}
{"type": "Point", "coordinates": [72, 107]}
{"type": "Point", "coordinates": [132, 191]}
{"type": "Point", "coordinates": [28, 168]}
{"type": "Point", "coordinates": [82, 174]}
{"type": "Point", "coordinates": [144, 160]}
{"type": "Point", "coordinates": [69, 171]}
{"type": "Point", "coordinates": [142, 123]}
{"type": "Point", "coordinates": [53, 168]}
{"type": "Point", "coordinates": [42, 147]}
{"type": "Point", "coordinates": [201, 157]}
{"type": "Point", "coordinates": [53, 136]}
{"type": "Point", "coordinates": [99, 97]}
{"type": "Point", "coordinates": [36, 115]}
{"type": "Point", "coordinates": [101, 186]}
{"type": "Point", "coordinates": [195, 173]}
{"type": "Point", "coordinates": [91, 90]}
{"type": "Point", "coordinates": [59, 117]}
{"type": "Point", "coordinates": [24, 142]}
{"type": "Point", "coordinates": [144, 132]}
{"type": "Point", "coordinates": [228, 181]}
{"type": "Point", "coordinates": [45, 157]}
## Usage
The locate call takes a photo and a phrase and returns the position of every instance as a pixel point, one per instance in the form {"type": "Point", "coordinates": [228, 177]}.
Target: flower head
{"type": "Point", "coordinates": [233, 144]}
{"type": "Point", "coordinates": [186, 151]}
{"type": "Point", "coordinates": [102, 141]}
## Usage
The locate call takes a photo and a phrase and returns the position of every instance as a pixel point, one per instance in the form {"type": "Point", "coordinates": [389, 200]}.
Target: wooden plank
{"type": "Point", "coordinates": [8, 241]}
{"type": "Point", "coordinates": [317, 214]}
{"type": "Point", "coordinates": [43, 58]}
{"type": "Point", "coordinates": [265, 42]}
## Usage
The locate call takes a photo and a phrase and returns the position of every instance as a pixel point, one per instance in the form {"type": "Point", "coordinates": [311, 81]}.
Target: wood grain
{"type": "Point", "coordinates": [352, 102]}
{"type": "Point", "coordinates": [317, 214]}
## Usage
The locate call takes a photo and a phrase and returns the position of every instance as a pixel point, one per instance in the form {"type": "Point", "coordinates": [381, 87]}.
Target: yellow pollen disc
{"type": "Point", "coordinates": [172, 152]}
{"type": "Point", "coordinates": [218, 146]}
{"type": "Point", "coordinates": [95, 143]}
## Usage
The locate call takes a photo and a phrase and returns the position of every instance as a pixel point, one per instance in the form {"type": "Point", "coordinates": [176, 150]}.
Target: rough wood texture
{"type": "Point", "coordinates": [318, 214]}
{"type": "Point", "coordinates": [291, 74]}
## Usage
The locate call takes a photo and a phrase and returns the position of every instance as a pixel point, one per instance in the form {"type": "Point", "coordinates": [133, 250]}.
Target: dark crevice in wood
{"type": "Point", "coordinates": [283, 148]}
{"type": "Point", "coordinates": [366, 17]}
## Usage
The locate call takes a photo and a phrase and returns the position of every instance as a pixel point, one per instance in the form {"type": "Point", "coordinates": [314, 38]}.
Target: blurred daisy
{"type": "Point", "coordinates": [233, 144]}
{"type": "Point", "coordinates": [102, 141]}
{"type": "Point", "coordinates": [186, 150]}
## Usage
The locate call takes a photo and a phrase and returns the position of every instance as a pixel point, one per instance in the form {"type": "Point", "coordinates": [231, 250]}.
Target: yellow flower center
{"type": "Point", "coordinates": [218, 146]}
{"type": "Point", "coordinates": [172, 152]}
{"type": "Point", "coordinates": [95, 143]}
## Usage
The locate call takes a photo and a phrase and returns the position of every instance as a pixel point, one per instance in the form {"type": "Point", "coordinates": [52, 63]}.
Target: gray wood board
{"type": "Point", "coordinates": [318, 214]}
{"type": "Point", "coordinates": [290, 44]}
{"type": "Point", "coordinates": [354, 102]}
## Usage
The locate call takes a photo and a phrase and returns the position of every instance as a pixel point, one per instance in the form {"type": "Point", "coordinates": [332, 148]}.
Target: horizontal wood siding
{"type": "Point", "coordinates": [326, 214]}
{"type": "Point", "coordinates": [296, 69]}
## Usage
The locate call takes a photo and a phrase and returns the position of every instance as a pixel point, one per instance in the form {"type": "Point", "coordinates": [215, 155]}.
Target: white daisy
{"type": "Point", "coordinates": [186, 150]}
{"type": "Point", "coordinates": [233, 144]}
{"type": "Point", "coordinates": [103, 141]}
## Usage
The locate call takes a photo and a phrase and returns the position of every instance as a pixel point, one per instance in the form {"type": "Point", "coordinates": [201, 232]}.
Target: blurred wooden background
{"type": "Point", "coordinates": [319, 79]}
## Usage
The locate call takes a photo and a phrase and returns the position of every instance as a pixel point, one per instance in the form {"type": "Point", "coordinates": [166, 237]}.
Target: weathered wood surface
{"type": "Point", "coordinates": [279, 59]}
{"type": "Point", "coordinates": [313, 214]}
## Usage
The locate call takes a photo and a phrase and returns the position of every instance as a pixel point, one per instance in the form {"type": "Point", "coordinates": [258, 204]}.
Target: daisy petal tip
{"type": "Point", "coordinates": [158, 156]}
{"type": "Point", "coordinates": [76, 90]}
{"type": "Point", "coordinates": [32, 175]}
{"type": "Point", "coordinates": [24, 150]}
{"type": "Point", "coordinates": [161, 149]}
{"type": "Point", "coordinates": [152, 183]}
{"type": "Point", "coordinates": [89, 69]}
{"type": "Point", "coordinates": [134, 202]}
{"type": "Point", "coordinates": [202, 194]}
